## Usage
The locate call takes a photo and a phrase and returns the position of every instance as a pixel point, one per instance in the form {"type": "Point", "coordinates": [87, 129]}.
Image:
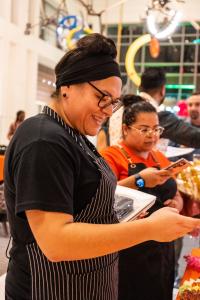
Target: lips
{"type": "Point", "coordinates": [149, 143]}
{"type": "Point", "coordinates": [98, 120]}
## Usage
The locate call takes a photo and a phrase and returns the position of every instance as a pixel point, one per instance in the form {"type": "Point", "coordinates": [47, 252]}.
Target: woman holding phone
{"type": "Point", "coordinates": [146, 271]}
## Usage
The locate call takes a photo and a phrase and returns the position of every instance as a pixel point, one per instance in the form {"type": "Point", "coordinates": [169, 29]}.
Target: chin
{"type": "Point", "coordinates": [147, 149]}
{"type": "Point", "coordinates": [92, 132]}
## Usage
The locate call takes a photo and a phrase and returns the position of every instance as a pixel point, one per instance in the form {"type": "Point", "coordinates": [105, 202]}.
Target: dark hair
{"type": "Point", "coordinates": [18, 113]}
{"type": "Point", "coordinates": [96, 44]}
{"type": "Point", "coordinates": [197, 93]}
{"type": "Point", "coordinates": [54, 94]}
{"type": "Point", "coordinates": [129, 99]}
{"type": "Point", "coordinates": [152, 78]}
{"type": "Point", "coordinates": [90, 45]}
{"type": "Point", "coordinates": [133, 106]}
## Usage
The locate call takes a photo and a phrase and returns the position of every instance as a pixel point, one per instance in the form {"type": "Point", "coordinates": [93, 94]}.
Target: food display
{"type": "Point", "coordinates": [189, 181]}
{"type": "Point", "coordinates": [190, 290]}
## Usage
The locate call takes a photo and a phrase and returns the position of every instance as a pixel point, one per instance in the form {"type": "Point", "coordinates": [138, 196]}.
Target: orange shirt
{"type": "Point", "coordinates": [119, 163]}
{"type": "Point", "coordinates": [1, 166]}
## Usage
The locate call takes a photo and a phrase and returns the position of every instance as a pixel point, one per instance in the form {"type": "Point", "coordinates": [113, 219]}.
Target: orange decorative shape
{"type": "Point", "coordinates": [154, 47]}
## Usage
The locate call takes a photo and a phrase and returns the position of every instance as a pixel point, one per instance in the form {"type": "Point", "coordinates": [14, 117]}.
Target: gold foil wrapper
{"type": "Point", "coordinates": [189, 181]}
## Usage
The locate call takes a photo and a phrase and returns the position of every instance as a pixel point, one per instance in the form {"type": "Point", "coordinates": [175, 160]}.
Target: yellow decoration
{"type": "Point", "coordinates": [69, 38]}
{"type": "Point", "coordinates": [130, 56]}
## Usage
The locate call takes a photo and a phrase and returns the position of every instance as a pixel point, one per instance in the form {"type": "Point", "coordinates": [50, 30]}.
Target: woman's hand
{"type": "Point", "coordinates": [171, 203]}
{"type": "Point", "coordinates": [153, 176]}
{"type": "Point", "coordinates": [167, 225]}
{"type": "Point", "coordinates": [176, 202]}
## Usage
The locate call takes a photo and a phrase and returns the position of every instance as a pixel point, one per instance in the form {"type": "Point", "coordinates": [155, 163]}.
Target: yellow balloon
{"type": "Point", "coordinates": [130, 56]}
{"type": "Point", "coordinates": [70, 43]}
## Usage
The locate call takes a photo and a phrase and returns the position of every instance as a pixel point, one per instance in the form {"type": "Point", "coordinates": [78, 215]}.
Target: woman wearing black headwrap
{"type": "Point", "coordinates": [60, 192]}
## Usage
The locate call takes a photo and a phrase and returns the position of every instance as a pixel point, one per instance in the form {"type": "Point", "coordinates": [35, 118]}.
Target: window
{"type": "Point", "coordinates": [179, 56]}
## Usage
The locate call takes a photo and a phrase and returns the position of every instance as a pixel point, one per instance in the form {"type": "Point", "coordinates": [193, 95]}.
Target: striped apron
{"type": "Point", "coordinates": [88, 279]}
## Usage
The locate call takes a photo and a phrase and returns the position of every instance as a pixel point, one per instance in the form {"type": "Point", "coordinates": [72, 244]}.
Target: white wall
{"type": "Point", "coordinates": [19, 57]}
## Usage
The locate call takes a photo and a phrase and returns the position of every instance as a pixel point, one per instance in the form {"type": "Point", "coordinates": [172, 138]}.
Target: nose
{"type": "Point", "coordinates": [150, 133]}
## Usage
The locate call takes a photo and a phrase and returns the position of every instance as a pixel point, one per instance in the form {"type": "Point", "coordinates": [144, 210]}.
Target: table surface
{"type": "Point", "coordinates": [177, 151]}
{"type": "Point", "coordinates": [1, 166]}
{"type": "Point", "coordinates": [190, 273]}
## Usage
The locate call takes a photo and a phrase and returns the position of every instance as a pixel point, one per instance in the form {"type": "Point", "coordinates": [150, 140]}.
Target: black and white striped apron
{"type": "Point", "coordinates": [89, 279]}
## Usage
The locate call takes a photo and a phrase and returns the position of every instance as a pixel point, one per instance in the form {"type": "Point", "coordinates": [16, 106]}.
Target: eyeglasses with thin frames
{"type": "Point", "coordinates": [106, 100]}
{"type": "Point", "coordinates": [148, 131]}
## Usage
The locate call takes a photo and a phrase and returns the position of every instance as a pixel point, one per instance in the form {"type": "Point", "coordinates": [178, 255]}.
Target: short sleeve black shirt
{"type": "Point", "coordinates": [45, 169]}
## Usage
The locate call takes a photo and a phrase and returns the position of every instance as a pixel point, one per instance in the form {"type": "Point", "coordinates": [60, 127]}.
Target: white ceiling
{"type": "Point", "coordinates": [134, 10]}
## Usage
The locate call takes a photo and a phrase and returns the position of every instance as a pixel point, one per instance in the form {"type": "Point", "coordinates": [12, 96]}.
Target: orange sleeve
{"type": "Point", "coordinates": [116, 161]}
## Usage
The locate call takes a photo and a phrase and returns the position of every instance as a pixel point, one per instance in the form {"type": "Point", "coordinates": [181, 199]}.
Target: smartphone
{"type": "Point", "coordinates": [196, 216]}
{"type": "Point", "coordinates": [178, 165]}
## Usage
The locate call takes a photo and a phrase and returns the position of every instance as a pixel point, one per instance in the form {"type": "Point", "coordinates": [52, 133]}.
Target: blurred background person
{"type": "Point", "coordinates": [20, 116]}
{"type": "Point", "coordinates": [193, 106]}
{"type": "Point", "coordinates": [152, 89]}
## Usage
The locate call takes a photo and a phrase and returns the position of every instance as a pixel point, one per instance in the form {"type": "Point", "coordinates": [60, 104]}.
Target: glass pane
{"type": "Point", "coordinates": [122, 68]}
{"type": "Point", "coordinates": [123, 51]}
{"type": "Point", "coordinates": [173, 80]}
{"type": "Point", "coordinates": [187, 79]}
{"type": "Point", "coordinates": [189, 53]}
{"type": "Point", "coordinates": [176, 38]}
{"type": "Point", "coordinates": [190, 38]}
{"type": "Point", "coordinates": [137, 30]}
{"type": "Point", "coordinates": [198, 83]}
{"type": "Point", "coordinates": [189, 28]}
{"type": "Point", "coordinates": [188, 69]}
{"type": "Point", "coordinates": [112, 30]}
{"type": "Point", "coordinates": [167, 54]}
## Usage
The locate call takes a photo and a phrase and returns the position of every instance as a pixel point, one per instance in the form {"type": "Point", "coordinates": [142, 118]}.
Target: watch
{"type": "Point", "coordinates": [139, 181]}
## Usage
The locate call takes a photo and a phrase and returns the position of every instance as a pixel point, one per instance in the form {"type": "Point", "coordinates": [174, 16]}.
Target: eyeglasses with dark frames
{"type": "Point", "coordinates": [107, 100]}
{"type": "Point", "coordinates": [148, 131]}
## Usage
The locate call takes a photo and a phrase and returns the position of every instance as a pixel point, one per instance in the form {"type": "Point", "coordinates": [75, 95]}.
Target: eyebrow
{"type": "Point", "coordinates": [107, 93]}
{"type": "Point", "coordinates": [147, 126]}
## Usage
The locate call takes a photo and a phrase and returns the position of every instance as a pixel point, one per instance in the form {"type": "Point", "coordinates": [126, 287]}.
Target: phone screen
{"type": "Point", "coordinates": [178, 166]}
{"type": "Point", "coordinates": [196, 216]}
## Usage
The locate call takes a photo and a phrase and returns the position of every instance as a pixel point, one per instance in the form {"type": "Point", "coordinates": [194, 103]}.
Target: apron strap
{"type": "Point", "coordinates": [129, 159]}
{"type": "Point", "coordinates": [126, 155]}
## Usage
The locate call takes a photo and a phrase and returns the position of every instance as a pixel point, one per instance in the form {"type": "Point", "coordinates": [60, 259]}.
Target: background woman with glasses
{"type": "Point", "coordinates": [146, 271]}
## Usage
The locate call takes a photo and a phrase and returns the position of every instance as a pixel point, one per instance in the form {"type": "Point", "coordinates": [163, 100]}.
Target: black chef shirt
{"type": "Point", "coordinates": [46, 168]}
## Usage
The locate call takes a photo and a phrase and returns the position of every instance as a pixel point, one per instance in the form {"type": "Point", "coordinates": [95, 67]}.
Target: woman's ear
{"type": "Point", "coordinates": [124, 130]}
{"type": "Point", "coordinates": [163, 91]}
{"type": "Point", "coordinates": [64, 91]}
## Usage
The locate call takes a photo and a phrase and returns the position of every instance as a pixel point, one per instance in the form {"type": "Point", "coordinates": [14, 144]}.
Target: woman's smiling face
{"type": "Point", "coordinates": [81, 106]}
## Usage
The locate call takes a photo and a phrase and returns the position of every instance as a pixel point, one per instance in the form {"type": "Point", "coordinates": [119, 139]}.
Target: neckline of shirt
{"type": "Point", "coordinates": [149, 158]}
{"type": "Point", "coordinates": [79, 138]}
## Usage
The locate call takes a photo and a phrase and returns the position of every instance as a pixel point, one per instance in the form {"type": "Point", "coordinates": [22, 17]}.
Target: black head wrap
{"type": "Point", "coordinates": [91, 68]}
